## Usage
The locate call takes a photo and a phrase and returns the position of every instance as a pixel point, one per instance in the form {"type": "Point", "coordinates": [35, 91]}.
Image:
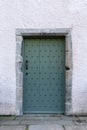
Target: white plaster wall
{"type": "Point", "coordinates": [42, 14]}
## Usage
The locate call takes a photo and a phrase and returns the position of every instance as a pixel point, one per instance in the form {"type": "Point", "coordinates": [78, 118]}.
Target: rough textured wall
{"type": "Point", "coordinates": [42, 14]}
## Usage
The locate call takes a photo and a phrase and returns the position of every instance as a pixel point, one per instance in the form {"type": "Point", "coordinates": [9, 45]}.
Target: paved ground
{"type": "Point", "coordinates": [52, 122]}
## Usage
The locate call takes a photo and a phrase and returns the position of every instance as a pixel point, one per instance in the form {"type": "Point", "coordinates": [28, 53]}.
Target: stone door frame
{"type": "Point", "coordinates": [20, 34]}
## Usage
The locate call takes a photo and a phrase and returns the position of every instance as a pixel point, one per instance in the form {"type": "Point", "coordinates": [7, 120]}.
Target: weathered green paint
{"type": "Point", "coordinates": [44, 75]}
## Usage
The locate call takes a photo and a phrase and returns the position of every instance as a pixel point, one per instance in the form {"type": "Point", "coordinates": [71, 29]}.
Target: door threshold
{"type": "Point", "coordinates": [43, 115]}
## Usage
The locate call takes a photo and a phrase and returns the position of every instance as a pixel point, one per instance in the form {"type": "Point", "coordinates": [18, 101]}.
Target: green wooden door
{"type": "Point", "coordinates": [44, 76]}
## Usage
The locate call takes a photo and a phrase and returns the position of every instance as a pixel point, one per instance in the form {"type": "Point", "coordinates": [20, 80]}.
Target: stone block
{"type": "Point", "coordinates": [75, 127]}
{"type": "Point", "coordinates": [12, 127]}
{"type": "Point", "coordinates": [45, 127]}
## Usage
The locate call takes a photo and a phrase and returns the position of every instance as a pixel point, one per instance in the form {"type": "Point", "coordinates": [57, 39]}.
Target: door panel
{"type": "Point", "coordinates": [44, 76]}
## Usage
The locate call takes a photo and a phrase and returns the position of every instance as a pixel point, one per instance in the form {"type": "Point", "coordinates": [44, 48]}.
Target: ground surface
{"type": "Point", "coordinates": [33, 122]}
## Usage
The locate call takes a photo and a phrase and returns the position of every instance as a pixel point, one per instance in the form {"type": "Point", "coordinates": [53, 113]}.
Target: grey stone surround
{"type": "Point", "coordinates": [20, 33]}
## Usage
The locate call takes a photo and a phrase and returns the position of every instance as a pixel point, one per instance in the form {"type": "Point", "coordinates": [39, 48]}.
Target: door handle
{"type": "Point", "coordinates": [26, 64]}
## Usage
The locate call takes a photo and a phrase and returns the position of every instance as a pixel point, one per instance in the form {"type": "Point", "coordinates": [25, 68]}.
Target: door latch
{"type": "Point", "coordinates": [26, 64]}
{"type": "Point", "coordinates": [67, 68]}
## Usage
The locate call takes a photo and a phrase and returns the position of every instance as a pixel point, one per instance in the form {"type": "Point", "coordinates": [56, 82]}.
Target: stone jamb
{"type": "Point", "coordinates": [20, 33]}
